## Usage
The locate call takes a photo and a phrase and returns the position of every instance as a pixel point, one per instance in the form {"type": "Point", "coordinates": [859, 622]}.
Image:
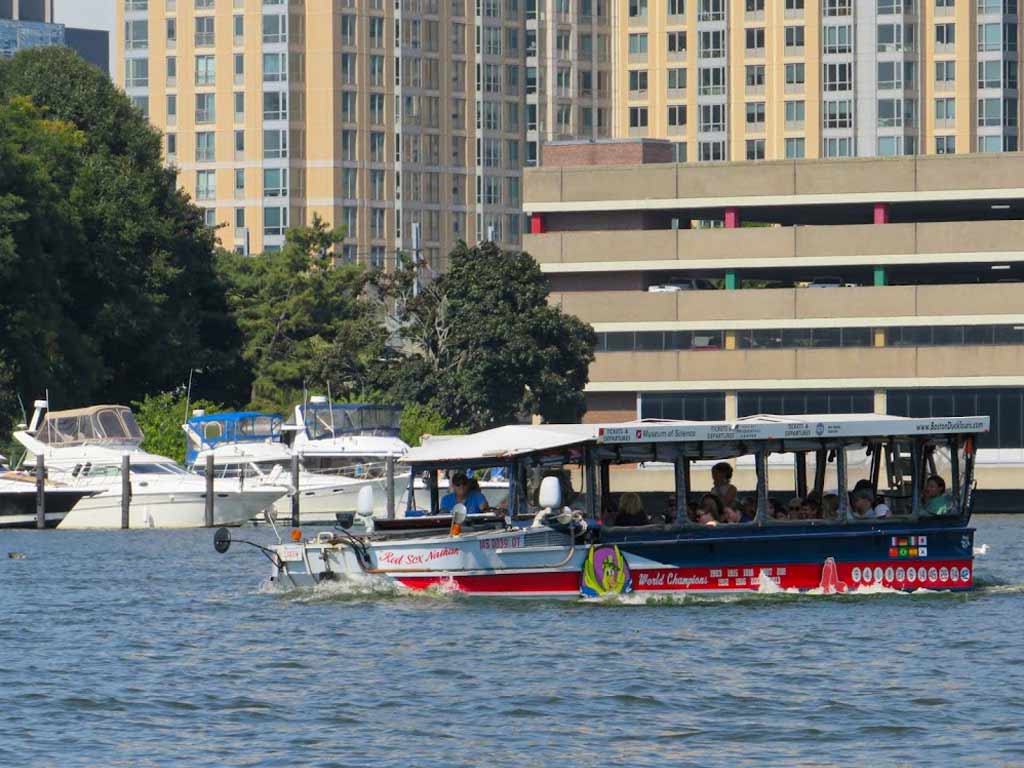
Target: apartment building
{"type": "Point", "coordinates": [923, 313]}
{"type": "Point", "coordinates": [569, 72]}
{"type": "Point", "coordinates": [30, 24]}
{"type": "Point", "coordinates": [776, 79]}
{"type": "Point", "coordinates": [402, 120]}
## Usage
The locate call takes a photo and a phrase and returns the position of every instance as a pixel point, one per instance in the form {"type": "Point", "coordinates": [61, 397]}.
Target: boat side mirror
{"type": "Point", "coordinates": [365, 501]}
{"type": "Point", "coordinates": [459, 514]}
{"type": "Point", "coordinates": [222, 540]}
{"type": "Point", "coordinates": [550, 495]}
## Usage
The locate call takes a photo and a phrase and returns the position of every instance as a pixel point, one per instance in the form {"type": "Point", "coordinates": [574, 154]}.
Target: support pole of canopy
{"type": "Point", "coordinates": [761, 466]}
{"type": "Point", "coordinates": [682, 467]}
{"type": "Point", "coordinates": [843, 512]}
{"type": "Point", "coordinates": [435, 501]}
{"type": "Point", "coordinates": [389, 474]}
{"type": "Point", "coordinates": [801, 474]}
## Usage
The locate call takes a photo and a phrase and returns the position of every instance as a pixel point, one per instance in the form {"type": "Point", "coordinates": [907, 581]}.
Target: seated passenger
{"type": "Point", "coordinates": [864, 507]}
{"type": "Point", "coordinates": [711, 511]}
{"type": "Point", "coordinates": [830, 506]}
{"type": "Point", "coordinates": [809, 508]}
{"type": "Point", "coordinates": [464, 493]}
{"type": "Point", "coordinates": [934, 497]}
{"type": "Point", "coordinates": [669, 515]}
{"type": "Point", "coordinates": [793, 508]}
{"type": "Point", "coordinates": [775, 509]}
{"type": "Point", "coordinates": [748, 509]}
{"type": "Point", "coordinates": [692, 511]}
{"type": "Point", "coordinates": [878, 506]}
{"type": "Point", "coordinates": [631, 510]}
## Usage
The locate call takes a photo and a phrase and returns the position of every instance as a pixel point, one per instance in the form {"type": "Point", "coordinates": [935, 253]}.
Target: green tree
{"type": "Point", "coordinates": [127, 297]}
{"type": "Point", "coordinates": [161, 417]}
{"type": "Point", "coordinates": [489, 347]}
{"type": "Point", "coordinates": [305, 322]}
{"type": "Point", "coordinates": [419, 420]}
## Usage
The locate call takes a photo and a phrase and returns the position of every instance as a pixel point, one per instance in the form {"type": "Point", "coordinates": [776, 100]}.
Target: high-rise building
{"type": "Point", "coordinates": [775, 79]}
{"type": "Point", "coordinates": [568, 72]}
{"type": "Point", "coordinates": [30, 23]}
{"type": "Point", "coordinates": [403, 121]}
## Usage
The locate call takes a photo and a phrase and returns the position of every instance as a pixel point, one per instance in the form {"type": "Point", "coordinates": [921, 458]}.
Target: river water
{"type": "Point", "coordinates": [144, 648]}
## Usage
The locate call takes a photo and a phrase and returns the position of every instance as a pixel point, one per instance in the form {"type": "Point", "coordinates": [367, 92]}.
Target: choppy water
{"type": "Point", "coordinates": [147, 648]}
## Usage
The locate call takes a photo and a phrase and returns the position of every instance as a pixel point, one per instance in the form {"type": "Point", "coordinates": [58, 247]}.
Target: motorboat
{"type": "Point", "coordinates": [899, 522]}
{"type": "Point", "coordinates": [19, 494]}
{"type": "Point", "coordinates": [84, 449]}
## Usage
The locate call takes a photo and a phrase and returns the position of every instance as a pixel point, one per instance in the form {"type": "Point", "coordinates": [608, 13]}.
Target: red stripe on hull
{"type": "Point", "coordinates": [926, 574]}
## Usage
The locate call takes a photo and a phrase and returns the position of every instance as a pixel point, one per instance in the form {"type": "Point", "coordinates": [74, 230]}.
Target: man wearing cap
{"type": "Point", "coordinates": [864, 505]}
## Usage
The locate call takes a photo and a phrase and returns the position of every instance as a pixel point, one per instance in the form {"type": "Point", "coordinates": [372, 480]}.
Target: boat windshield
{"type": "Point", "coordinates": [157, 469]}
{"type": "Point", "coordinates": [326, 421]}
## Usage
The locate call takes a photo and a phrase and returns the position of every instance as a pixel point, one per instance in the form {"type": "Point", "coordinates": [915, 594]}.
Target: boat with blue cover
{"type": "Point", "coordinates": [885, 502]}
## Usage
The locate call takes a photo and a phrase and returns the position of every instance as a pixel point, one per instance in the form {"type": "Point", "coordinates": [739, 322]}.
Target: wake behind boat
{"type": "Point", "coordinates": [898, 520]}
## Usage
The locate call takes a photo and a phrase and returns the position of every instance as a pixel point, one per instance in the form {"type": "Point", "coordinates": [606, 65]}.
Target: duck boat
{"type": "Point", "coordinates": [566, 481]}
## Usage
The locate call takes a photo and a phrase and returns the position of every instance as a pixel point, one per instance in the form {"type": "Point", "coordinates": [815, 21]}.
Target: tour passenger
{"type": "Point", "coordinates": [878, 506]}
{"type": "Point", "coordinates": [463, 492]}
{"type": "Point", "coordinates": [809, 508]}
{"type": "Point", "coordinates": [775, 509]}
{"type": "Point", "coordinates": [830, 506]}
{"type": "Point", "coordinates": [748, 509]}
{"type": "Point", "coordinates": [721, 476]}
{"type": "Point", "coordinates": [864, 507]}
{"type": "Point", "coordinates": [711, 511]}
{"type": "Point", "coordinates": [692, 511]}
{"type": "Point", "coordinates": [934, 497]}
{"type": "Point", "coordinates": [793, 508]}
{"type": "Point", "coordinates": [631, 510]}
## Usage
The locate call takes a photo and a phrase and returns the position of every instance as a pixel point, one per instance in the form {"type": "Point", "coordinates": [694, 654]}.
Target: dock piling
{"type": "Point", "coordinates": [40, 492]}
{"type": "Point", "coordinates": [126, 490]}
{"type": "Point", "coordinates": [208, 473]}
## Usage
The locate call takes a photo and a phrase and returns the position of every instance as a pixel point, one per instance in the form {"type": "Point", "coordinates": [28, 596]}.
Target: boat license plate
{"type": "Point", "coordinates": [290, 553]}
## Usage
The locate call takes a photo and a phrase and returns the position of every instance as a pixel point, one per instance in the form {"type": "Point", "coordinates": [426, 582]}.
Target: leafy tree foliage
{"type": "Point", "coordinates": [160, 417]}
{"type": "Point", "coordinates": [490, 349]}
{"type": "Point", "coordinates": [105, 257]}
{"type": "Point", "coordinates": [305, 323]}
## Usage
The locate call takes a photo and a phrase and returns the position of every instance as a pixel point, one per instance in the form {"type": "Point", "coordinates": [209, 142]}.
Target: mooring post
{"type": "Point", "coordinates": [40, 492]}
{"type": "Point", "coordinates": [126, 489]}
{"type": "Point", "coordinates": [208, 472]}
{"type": "Point", "coordinates": [295, 485]}
{"type": "Point", "coordinates": [390, 473]}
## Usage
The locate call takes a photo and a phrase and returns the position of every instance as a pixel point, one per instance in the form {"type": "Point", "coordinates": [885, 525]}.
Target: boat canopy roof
{"type": "Point", "coordinates": [708, 438]}
{"type": "Point", "coordinates": [210, 430]}
{"type": "Point", "coordinates": [95, 424]}
{"type": "Point", "coordinates": [326, 420]}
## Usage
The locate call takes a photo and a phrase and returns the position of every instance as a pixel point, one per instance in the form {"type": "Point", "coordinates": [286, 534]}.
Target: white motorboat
{"type": "Point", "coordinates": [83, 449]}
{"type": "Point", "coordinates": [18, 498]}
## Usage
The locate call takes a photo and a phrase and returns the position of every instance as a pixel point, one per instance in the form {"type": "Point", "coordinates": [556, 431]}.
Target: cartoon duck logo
{"type": "Point", "coordinates": [605, 572]}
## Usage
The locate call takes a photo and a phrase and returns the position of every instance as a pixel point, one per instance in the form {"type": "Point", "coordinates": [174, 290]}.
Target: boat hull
{"type": "Point", "coordinates": [185, 509]}
{"type": "Point", "coordinates": [18, 509]}
{"type": "Point", "coordinates": [519, 563]}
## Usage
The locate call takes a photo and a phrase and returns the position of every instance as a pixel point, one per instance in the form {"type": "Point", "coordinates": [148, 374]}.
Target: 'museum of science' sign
{"type": "Point", "coordinates": [790, 429]}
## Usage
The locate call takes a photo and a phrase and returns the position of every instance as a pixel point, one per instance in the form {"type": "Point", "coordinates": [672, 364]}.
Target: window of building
{"type": "Point", "coordinates": [794, 148]}
{"type": "Point", "coordinates": [637, 8]}
{"type": "Point", "coordinates": [275, 182]}
{"type": "Point", "coordinates": [172, 32]}
{"type": "Point", "coordinates": [754, 75]}
{"type": "Point", "coordinates": [794, 37]}
{"type": "Point", "coordinates": [676, 115]}
{"type": "Point", "coordinates": [794, 5]}
{"type": "Point", "coordinates": [275, 67]}
{"type": "Point", "coordinates": [239, 218]}
{"type": "Point", "coordinates": [204, 31]}
{"type": "Point", "coordinates": [711, 151]}
{"type": "Point", "coordinates": [206, 71]}
{"type": "Point", "coordinates": [945, 72]}
{"type": "Point", "coordinates": [945, 110]}
{"type": "Point", "coordinates": [205, 147]}
{"type": "Point", "coordinates": [838, 77]}
{"type": "Point", "coordinates": [1004, 407]}
{"type": "Point", "coordinates": [205, 111]}
{"type": "Point", "coordinates": [945, 145]}
{"type": "Point", "coordinates": [990, 73]}
{"type": "Point", "coordinates": [676, 7]}
{"type": "Point", "coordinates": [638, 117]}
{"type": "Point", "coordinates": [754, 38]}
{"type": "Point", "coordinates": [1010, 112]}
{"type": "Point", "coordinates": [990, 37]}
{"type": "Point", "coordinates": [136, 73]}
{"type": "Point", "coordinates": [141, 103]}
{"type": "Point", "coordinates": [275, 221]}
{"type": "Point", "coordinates": [799, 403]}
{"type": "Point", "coordinates": [239, 142]}
{"type": "Point", "coordinates": [136, 34]}
{"type": "Point", "coordinates": [172, 145]}
{"type": "Point", "coordinates": [275, 105]}
{"type": "Point", "coordinates": [711, 10]}
{"type": "Point", "coordinates": [691, 406]}
{"type": "Point", "coordinates": [838, 146]}
{"type": "Point", "coordinates": [837, 39]}
{"type": "Point", "coordinates": [837, 114]}
{"type": "Point", "coordinates": [679, 151]}
{"type": "Point", "coordinates": [755, 149]}
{"type": "Point", "coordinates": [712, 80]}
{"type": "Point", "coordinates": [755, 113]}
{"type": "Point", "coordinates": [989, 112]}
{"type": "Point", "coordinates": [712, 43]}
{"type": "Point", "coordinates": [794, 114]}
{"type": "Point", "coordinates": [348, 29]}
{"type": "Point", "coordinates": [754, 6]}
{"type": "Point", "coordinates": [275, 143]}
{"type": "Point", "coordinates": [206, 185]}
{"type": "Point", "coordinates": [837, 8]}
{"type": "Point", "coordinates": [945, 34]}
{"type": "Point", "coordinates": [677, 78]}
{"type": "Point", "coordinates": [638, 80]}
{"type": "Point", "coordinates": [712, 117]}
{"type": "Point", "coordinates": [638, 44]}
{"type": "Point", "coordinates": [795, 74]}
{"type": "Point", "coordinates": [677, 42]}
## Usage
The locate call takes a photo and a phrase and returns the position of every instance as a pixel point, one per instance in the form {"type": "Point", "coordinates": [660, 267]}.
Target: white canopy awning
{"type": "Point", "coordinates": [500, 443]}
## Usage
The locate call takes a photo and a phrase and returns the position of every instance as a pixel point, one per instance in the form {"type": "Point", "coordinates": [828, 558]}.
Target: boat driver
{"type": "Point", "coordinates": [464, 493]}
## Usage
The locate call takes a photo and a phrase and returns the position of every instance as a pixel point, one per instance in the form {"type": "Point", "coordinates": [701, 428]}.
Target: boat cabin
{"type": "Point", "coordinates": [799, 470]}
{"type": "Point", "coordinates": [112, 425]}
{"type": "Point", "coordinates": [207, 431]}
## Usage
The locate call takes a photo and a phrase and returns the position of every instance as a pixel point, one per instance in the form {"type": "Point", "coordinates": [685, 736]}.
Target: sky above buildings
{"type": "Point", "coordinates": [87, 14]}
